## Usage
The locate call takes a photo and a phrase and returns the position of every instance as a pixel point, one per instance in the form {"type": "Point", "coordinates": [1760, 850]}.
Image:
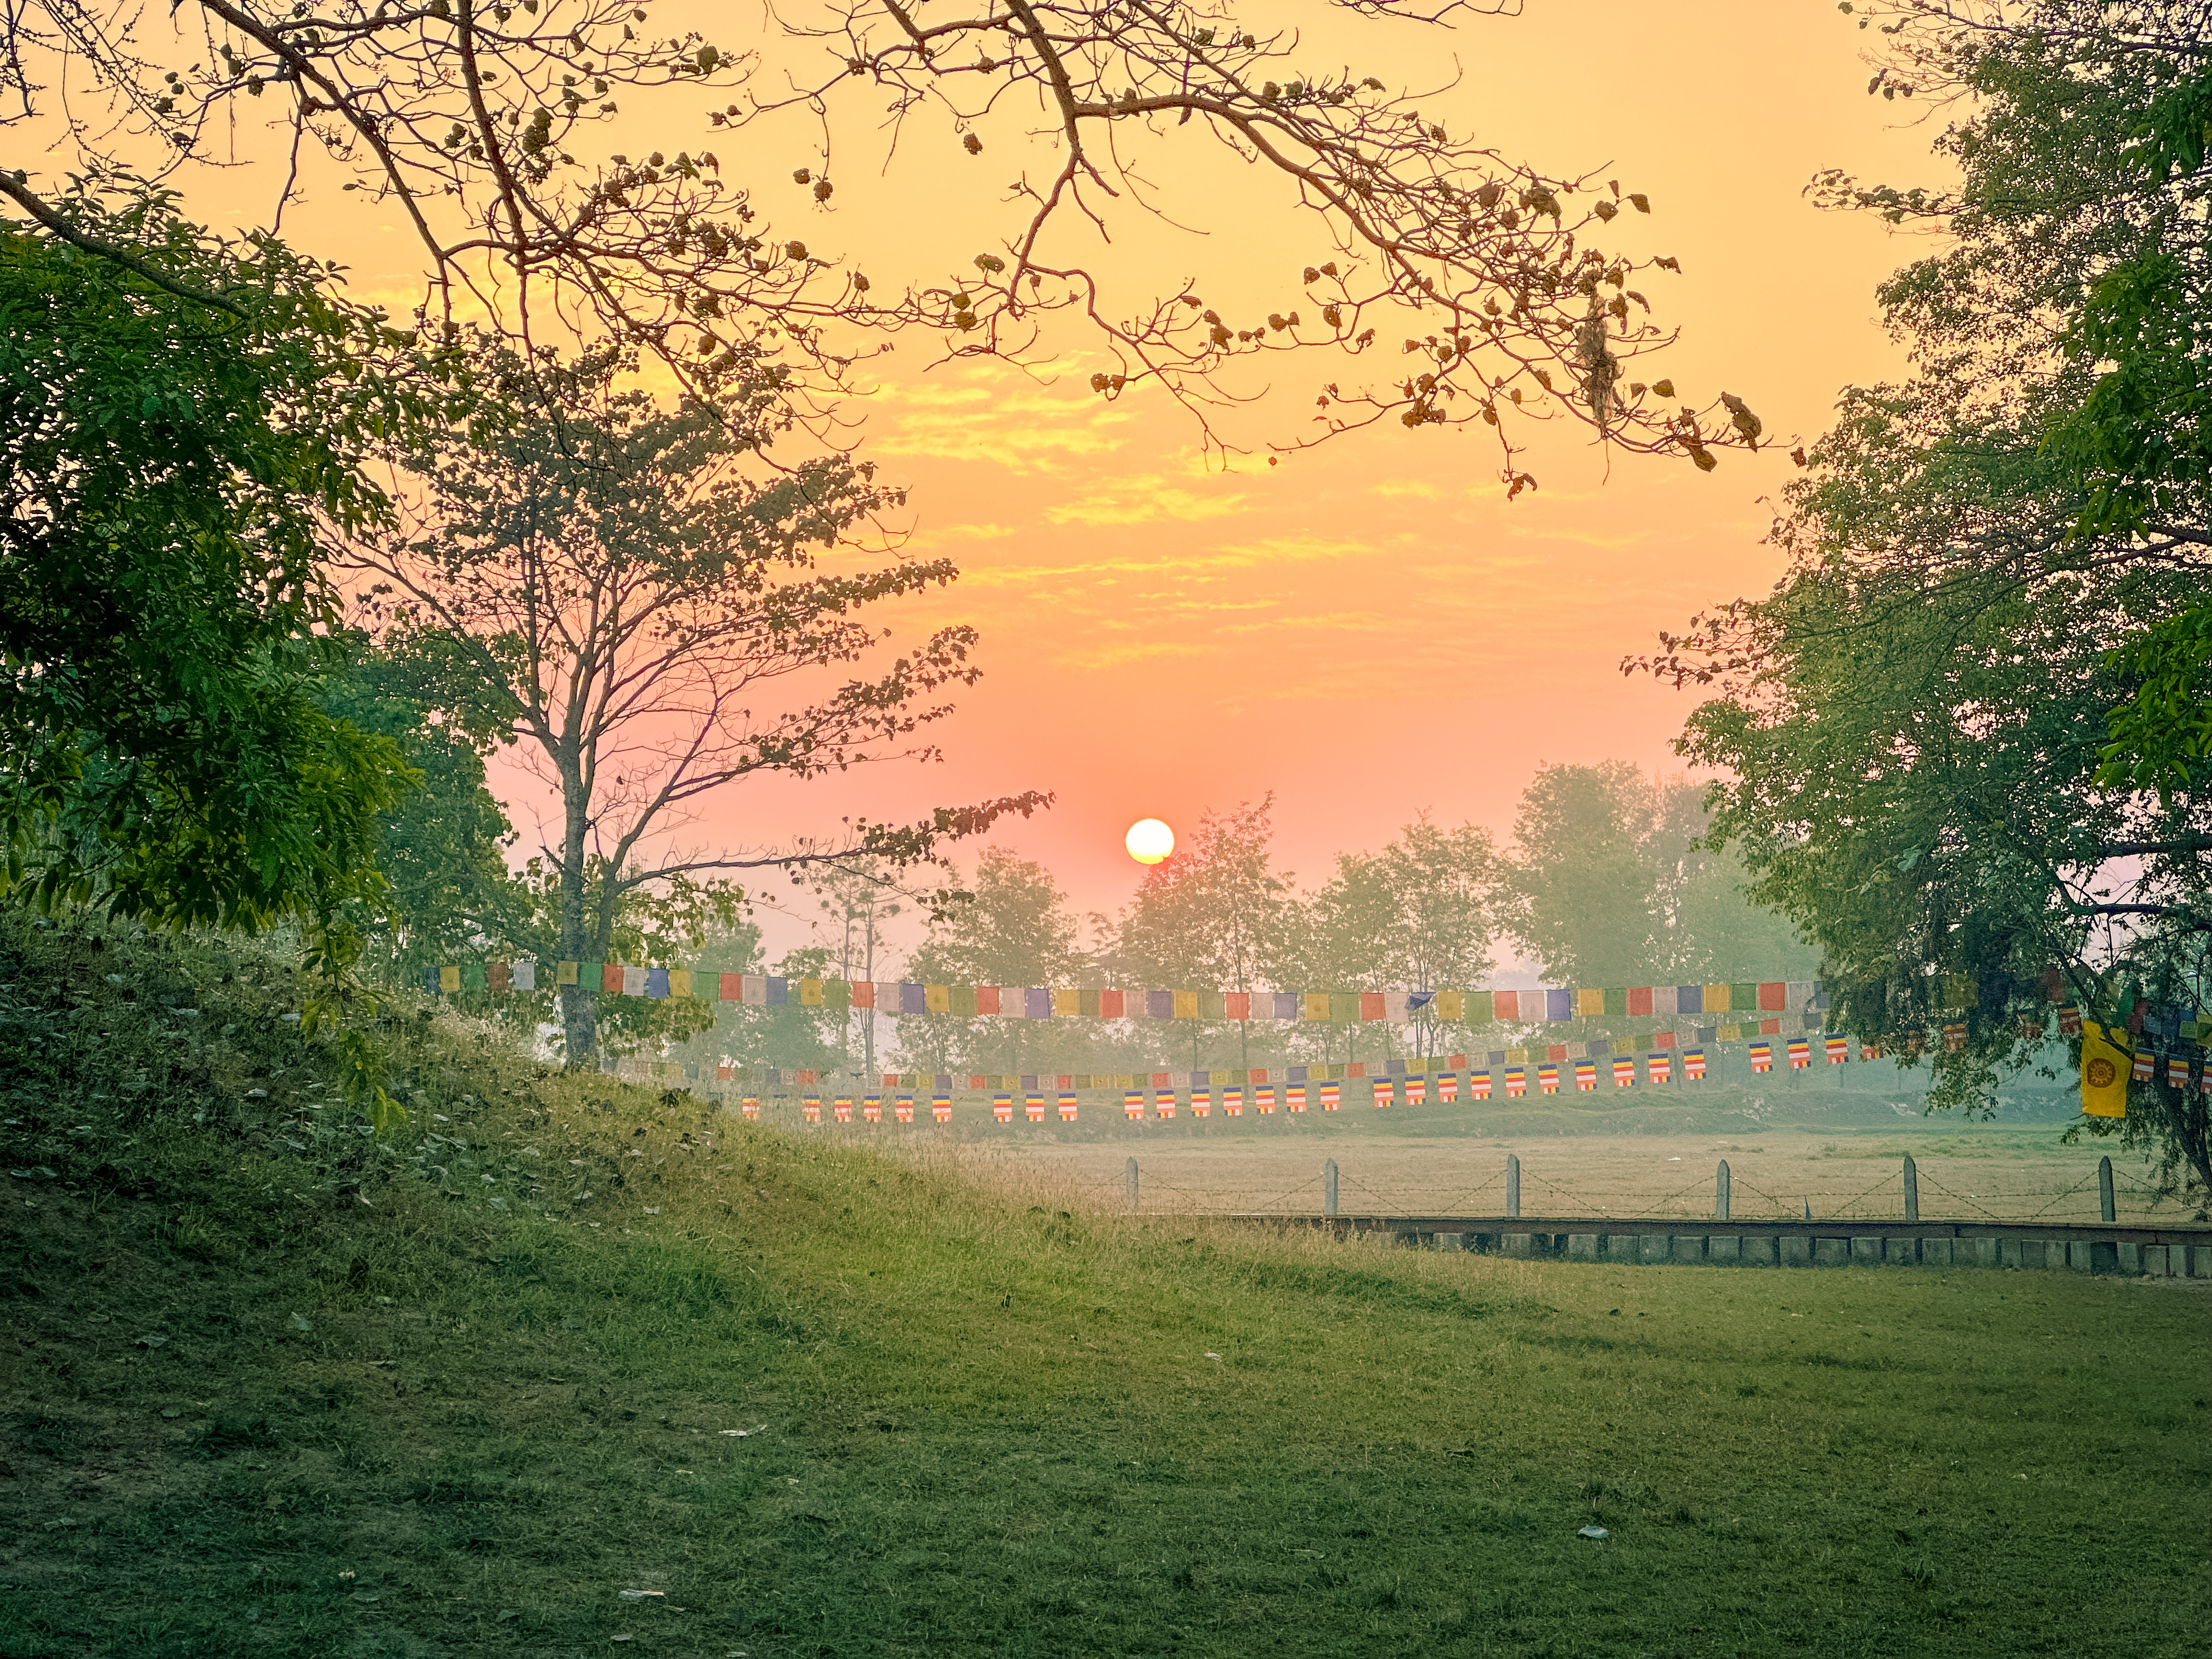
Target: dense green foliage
{"type": "Point", "coordinates": [1985, 570]}
{"type": "Point", "coordinates": [174, 469]}
{"type": "Point", "coordinates": [1610, 885]}
{"type": "Point", "coordinates": [458, 1389]}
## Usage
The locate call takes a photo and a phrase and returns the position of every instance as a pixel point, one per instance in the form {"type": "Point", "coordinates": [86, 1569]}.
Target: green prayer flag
{"type": "Point", "coordinates": [1481, 1008]}
{"type": "Point", "coordinates": [1616, 999]}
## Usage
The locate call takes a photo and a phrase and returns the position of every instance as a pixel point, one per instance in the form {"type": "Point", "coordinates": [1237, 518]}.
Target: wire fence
{"type": "Point", "coordinates": [1907, 1191]}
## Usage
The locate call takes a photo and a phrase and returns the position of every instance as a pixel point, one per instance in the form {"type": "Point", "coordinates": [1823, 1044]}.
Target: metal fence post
{"type": "Point", "coordinates": [2104, 1209]}
{"type": "Point", "coordinates": [1512, 1183]}
{"type": "Point", "coordinates": [1911, 1189]}
{"type": "Point", "coordinates": [1721, 1192]}
{"type": "Point", "coordinates": [1132, 1186]}
{"type": "Point", "coordinates": [1328, 1188]}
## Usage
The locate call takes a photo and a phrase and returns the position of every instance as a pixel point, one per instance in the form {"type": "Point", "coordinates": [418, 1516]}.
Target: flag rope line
{"type": "Point", "coordinates": [1849, 1204]}
{"type": "Point", "coordinates": [1958, 1197]}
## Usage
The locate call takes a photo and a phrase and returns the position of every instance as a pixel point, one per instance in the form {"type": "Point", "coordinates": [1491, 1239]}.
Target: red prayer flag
{"type": "Point", "coordinates": [1773, 997]}
{"type": "Point", "coordinates": [1639, 1000]}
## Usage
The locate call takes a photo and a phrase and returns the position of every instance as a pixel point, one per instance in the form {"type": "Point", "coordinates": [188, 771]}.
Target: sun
{"type": "Point", "coordinates": [1149, 840]}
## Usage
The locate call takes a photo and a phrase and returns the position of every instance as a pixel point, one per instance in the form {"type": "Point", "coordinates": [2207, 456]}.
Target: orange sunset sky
{"type": "Point", "coordinates": [1370, 630]}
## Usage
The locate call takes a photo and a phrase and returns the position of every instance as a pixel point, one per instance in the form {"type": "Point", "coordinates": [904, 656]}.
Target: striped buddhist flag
{"type": "Point", "coordinates": [1517, 1082]}
{"type": "Point", "coordinates": [1263, 1099]}
{"type": "Point", "coordinates": [1660, 1068]}
{"type": "Point", "coordinates": [1448, 1087]}
{"type": "Point", "coordinates": [1762, 1056]}
{"type": "Point", "coordinates": [1164, 1105]}
{"type": "Point", "coordinates": [1033, 1107]}
{"type": "Point", "coordinates": [1201, 1102]}
{"type": "Point", "coordinates": [1067, 1106]}
{"type": "Point", "coordinates": [1232, 1102]}
{"type": "Point", "coordinates": [2069, 1021]}
{"type": "Point", "coordinates": [811, 1107]}
{"type": "Point", "coordinates": [1133, 1105]}
{"type": "Point", "coordinates": [1294, 1097]}
{"type": "Point", "coordinates": [2177, 1071]}
{"type": "Point", "coordinates": [1801, 1054]}
{"type": "Point", "coordinates": [1383, 1097]}
{"type": "Point", "coordinates": [1586, 1076]}
{"type": "Point", "coordinates": [871, 1109]}
{"type": "Point", "coordinates": [1693, 1065]}
{"type": "Point", "coordinates": [1002, 1108]}
{"type": "Point", "coordinates": [1624, 1072]}
{"type": "Point", "coordinates": [1417, 1091]}
{"type": "Point", "coordinates": [2141, 1069]}
{"type": "Point", "coordinates": [1331, 1095]}
{"type": "Point", "coordinates": [1839, 1050]}
{"type": "Point", "coordinates": [749, 1109]}
{"type": "Point", "coordinates": [941, 1110]}
{"type": "Point", "coordinates": [842, 1109]}
{"type": "Point", "coordinates": [1478, 1085]}
{"type": "Point", "coordinates": [1547, 1077]}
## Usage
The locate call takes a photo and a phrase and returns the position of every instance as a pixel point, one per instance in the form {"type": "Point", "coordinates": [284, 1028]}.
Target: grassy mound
{"type": "Point", "coordinates": [273, 1387]}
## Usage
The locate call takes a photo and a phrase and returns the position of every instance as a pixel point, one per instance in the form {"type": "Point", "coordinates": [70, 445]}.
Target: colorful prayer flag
{"type": "Point", "coordinates": [1417, 1091]}
{"type": "Point", "coordinates": [1332, 1096]}
{"type": "Point", "coordinates": [1586, 1075]}
{"type": "Point", "coordinates": [1839, 1050]}
{"type": "Point", "coordinates": [811, 1107]}
{"type": "Point", "coordinates": [1133, 1105]}
{"type": "Point", "coordinates": [1693, 1065]}
{"type": "Point", "coordinates": [1624, 1072]}
{"type": "Point", "coordinates": [1383, 1097]}
{"type": "Point", "coordinates": [842, 1109]}
{"type": "Point", "coordinates": [1232, 1102]}
{"type": "Point", "coordinates": [1762, 1056]}
{"type": "Point", "coordinates": [2143, 1066]}
{"type": "Point", "coordinates": [2105, 1068]}
{"type": "Point", "coordinates": [1478, 1085]}
{"type": "Point", "coordinates": [1547, 1077]}
{"type": "Point", "coordinates": [1263, 1100]}
{"type": "Point", "coordinates": [1294, 1097]}
{"type": "Point", "coordinates": [1660, 1068]}
{"type": "Point", "coordinates": [871, 1109]}
{"type": "Point", "coordinates": [1801, 1054]}
{"type": "Point", "coordinates": [656, 982]}
{"type": "Point", "coordinates": [749, 1109]}
{"type": "Point", "coordinates": [1066, 1106]}
{"type": "Point", "coordinates": [2177, 1071]}
{"type": "Point", "coordinates": [2069, 1021]}
{"type": "Point", "coordinates": [1002, 1108]}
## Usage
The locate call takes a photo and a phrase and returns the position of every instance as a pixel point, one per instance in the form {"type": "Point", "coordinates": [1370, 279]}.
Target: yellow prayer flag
{"type": "Point", "coordinates": [679, 982]}
{"type": "Point", "coordinates": [1730, 1034]}
{"type": "Point", "coordinates": [937, 999]}
{"type": "Point", "coordinates": [1314, 1005]}
{"type": "Point", "coordinates": [1451, 1006]}
{"type": "Point", "coordinates": [1716, 1000]}
{"type": "Point", "coordinates": [449, 979]}
{"type": "Point", "coordinates": [2105, 1063]}
{"type": "Point", "coordinates": [1589, 1003]}
{"type": "Point", "coordinates": [810, 993]}
{"type": "Point", "coordinates": [1066, 1005]}
{"type": "Point", "coordinates": [564, 973]}
{"type": "Point", "coordinates": [1186, 1004]}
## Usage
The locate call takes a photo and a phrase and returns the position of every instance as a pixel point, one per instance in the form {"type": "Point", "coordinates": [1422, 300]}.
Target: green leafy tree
{"type": "Point", "coordinates": [1582, 893]}
{"type": "Point", "coordinates": [1917, 722]}
{"type": "Point", "coordinates": [602, 580]}
{"type": "Point", "coordinates": [1208, 917]}
{"type": "Point", "coordinates": [177, 458]}
{"type": "Point", "coordinates": [1013, 926]}
{"type": "Point", "coordinates": [449, 893]}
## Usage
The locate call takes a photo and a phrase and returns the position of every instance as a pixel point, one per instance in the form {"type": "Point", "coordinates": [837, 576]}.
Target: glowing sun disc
{"type": "Point", "coordinates": [1149, 840]}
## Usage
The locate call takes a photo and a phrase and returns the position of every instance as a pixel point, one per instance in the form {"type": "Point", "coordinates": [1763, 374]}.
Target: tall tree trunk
{"type": "Point", "coordinates": [580, 1003]}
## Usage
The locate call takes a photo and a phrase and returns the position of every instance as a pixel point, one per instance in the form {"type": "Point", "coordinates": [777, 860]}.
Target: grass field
{"type": "Point", "coordinates": [271, 1389]}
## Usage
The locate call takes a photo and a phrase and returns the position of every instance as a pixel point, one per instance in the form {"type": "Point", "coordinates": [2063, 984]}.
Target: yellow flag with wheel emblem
{"type": "Point", "coordinates": [2105, 1063]}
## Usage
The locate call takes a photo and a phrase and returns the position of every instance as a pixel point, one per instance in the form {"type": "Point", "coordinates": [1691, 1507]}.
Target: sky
{"type": "Point", "coordinates": [1370, 631]}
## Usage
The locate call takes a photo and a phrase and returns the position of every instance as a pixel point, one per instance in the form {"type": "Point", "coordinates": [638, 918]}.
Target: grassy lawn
{"type": "Point", "coordinates": [976, 1426]}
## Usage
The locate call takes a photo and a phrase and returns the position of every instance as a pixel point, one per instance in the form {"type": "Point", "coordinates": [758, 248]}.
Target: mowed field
{"type": "Point", "coordinates": [1979, 1173]}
